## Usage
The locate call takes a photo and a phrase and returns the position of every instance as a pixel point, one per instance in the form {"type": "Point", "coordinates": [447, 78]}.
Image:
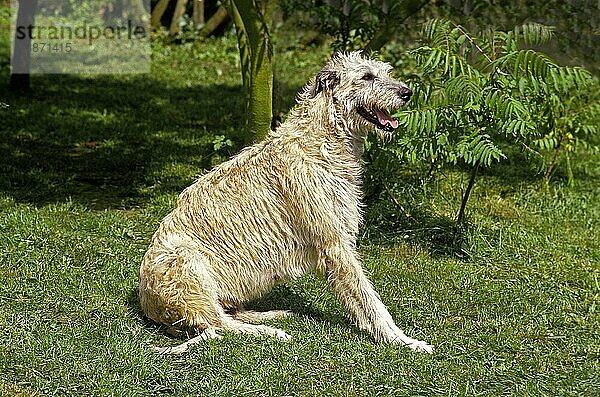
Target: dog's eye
{"type": "Point", "coordinates": [368, 77]}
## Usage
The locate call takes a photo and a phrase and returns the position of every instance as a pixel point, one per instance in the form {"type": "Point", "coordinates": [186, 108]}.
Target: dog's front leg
{"type": "Point", "coordinates": [355, 291]}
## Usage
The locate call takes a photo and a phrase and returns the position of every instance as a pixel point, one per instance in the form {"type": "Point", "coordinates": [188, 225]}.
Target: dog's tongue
{"type": "Point", "coordinates": [385, 118]}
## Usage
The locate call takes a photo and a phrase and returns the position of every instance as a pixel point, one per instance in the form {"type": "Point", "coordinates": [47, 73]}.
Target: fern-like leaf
{"type": "Point", "coordinates": [535, 34]}
{"type": "Point", "coordinates": [463, 89]}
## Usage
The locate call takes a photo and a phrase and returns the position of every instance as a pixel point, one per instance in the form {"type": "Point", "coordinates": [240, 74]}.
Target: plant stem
{"type": "Point", "coordinates": [472, 41]}
{"type": "Point", "coordinates": [429, 174]}
{"type": "Point", "coordinates": [552, 164]}
{"type": "Point", "coordinates": [395, 200]}
{"type": "Point", "coordinates": [570, 176]}
{"type": "Point", "coordinates": [463, 205]}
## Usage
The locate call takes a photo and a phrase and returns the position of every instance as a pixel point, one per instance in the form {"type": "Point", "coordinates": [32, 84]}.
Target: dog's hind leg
{"type": "Point", "coordinates": [250, 316]}
{"type": "Point", "coordinates": [239, 327]}
{"type": "Point", "coordinates": [177, 290]}
{"type": "Point", "coordinates": [208, 333]}
{"type": "Point", "coordinates": [234, 325]}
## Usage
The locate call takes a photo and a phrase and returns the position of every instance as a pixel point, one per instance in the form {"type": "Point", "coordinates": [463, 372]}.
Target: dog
{"type": "Point", "coordinates": [280, 208]}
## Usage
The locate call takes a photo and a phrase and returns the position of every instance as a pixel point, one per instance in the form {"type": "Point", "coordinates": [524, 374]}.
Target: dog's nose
{"type": "Point", "coordinates": [405, 93]}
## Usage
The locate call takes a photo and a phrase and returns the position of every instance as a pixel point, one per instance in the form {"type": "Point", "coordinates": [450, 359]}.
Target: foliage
{"type": "Point", "coordinates": [353, 23]}
{"type": "Point", "coordinates": [476, 94]}
{"type": "Point", "coordinates": [575, 22]}
{"type": "Point", "coordinates": [575, 123]}
{"type": "Point", "coordinates": [187, 30]}
{"type": "Point", "coordinates": [372, 23]}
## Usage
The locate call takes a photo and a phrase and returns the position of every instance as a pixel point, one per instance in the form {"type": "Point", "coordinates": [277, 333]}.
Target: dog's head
{"type": "Point", "coordinates": [361, 91]}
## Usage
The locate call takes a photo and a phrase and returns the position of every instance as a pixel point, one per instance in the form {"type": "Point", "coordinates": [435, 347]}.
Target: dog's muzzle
{"type": "Point", "coordinates": [380, 117]}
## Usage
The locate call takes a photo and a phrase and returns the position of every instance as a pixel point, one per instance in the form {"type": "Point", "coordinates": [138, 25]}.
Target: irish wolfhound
{"type": "Point", "coordinates": [280, 208]}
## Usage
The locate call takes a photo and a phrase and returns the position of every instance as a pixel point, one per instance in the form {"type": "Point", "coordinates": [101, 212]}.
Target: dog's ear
{"type": "Point", "coordinates": [326, 80]}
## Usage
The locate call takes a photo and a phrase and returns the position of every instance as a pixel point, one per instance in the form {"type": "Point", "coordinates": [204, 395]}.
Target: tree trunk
{"type": "Point", "coordinates": [550, 169]}
{"type": "Point", "coordinates": [137, 10]}
{"type": "Point", "coordinates": [21, 59]}
{"type": "Point", "coordinates": [174, 29]}
{"type": "Point", "coordinates": [198, 14]}
{"type": "Point", "coordinates": [157, 13]}
{"type": "Point", "coordinates": [252, 21]}
{"type": "Point", "coordinates": [220, 17]}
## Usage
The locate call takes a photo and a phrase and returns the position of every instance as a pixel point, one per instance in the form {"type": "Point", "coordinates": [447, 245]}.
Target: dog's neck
{"type": "Point", "coordinates": [329, 126]}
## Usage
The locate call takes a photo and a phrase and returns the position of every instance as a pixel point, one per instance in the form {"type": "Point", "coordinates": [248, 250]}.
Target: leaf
{"type": "Point", "coordinates": [535, 34]}
{"type": "Point", "coordinates": [463, 89]}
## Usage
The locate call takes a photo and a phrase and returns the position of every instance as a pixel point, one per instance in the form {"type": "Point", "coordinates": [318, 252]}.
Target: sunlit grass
{"type": "Point", "coordinates": [91, 165]}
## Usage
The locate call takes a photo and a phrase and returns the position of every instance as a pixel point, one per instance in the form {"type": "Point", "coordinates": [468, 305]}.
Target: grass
{"type": "Point", "coordinates": [90, 165]}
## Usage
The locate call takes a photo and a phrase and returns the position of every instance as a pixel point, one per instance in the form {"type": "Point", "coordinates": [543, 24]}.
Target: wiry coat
{"type": "Point", "coordinates": [280, 208]}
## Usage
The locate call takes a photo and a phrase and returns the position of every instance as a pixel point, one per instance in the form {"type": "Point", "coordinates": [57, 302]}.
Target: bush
{"type": "Point", "coordinates": [478, 93]}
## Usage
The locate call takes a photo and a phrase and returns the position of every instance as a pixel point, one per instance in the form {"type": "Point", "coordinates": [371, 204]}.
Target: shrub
{"type": "Point", "coordinates": [478, 93]}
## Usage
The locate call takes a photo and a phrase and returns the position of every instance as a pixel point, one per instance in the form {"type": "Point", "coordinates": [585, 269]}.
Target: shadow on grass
{"type": "Point", "coordinates": [439, 235]}
{"type": "Point", "coordinates": [281, 297]}
{"type": "Point", "coordinates": [399, 197]}
{"type": "Point", "coordinates": [108, 141]}
{"type": "Point", "coordinates": [103, 141]}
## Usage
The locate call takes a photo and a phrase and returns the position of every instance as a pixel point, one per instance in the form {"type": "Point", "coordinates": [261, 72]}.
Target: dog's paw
{"type": "Point", "coordinates": [421, 347]}
{"type": "Point", "coordinates": [179, 349]}
{"type": "Point", "coordinates": [400, 338]}
{"type": "Point", "coordinates": [209, 333]}
{"type": "Point", "coordinates": [282, 335]}
{"type": "Point", "coordinates": [278, 314]}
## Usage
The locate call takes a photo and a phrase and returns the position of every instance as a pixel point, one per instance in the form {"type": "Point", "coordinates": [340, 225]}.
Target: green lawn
{"type": "Point", "coordinates": [90, 165]}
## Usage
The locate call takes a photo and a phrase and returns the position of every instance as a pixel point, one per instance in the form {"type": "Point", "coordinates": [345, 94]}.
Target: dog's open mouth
{"type": "Point", "coordinates": [380, 117]}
